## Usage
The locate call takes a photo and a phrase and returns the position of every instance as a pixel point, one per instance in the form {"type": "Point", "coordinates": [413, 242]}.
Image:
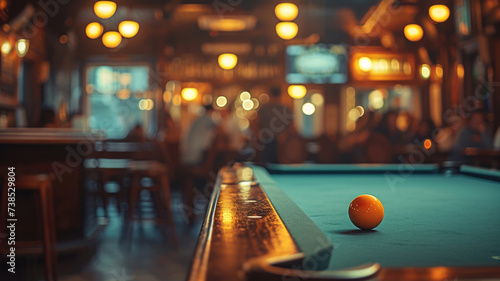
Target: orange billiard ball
{"type": "Point", "coordinates": [366, 211]}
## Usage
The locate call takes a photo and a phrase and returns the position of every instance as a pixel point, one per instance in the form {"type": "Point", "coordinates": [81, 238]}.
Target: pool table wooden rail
{"type": "Point", "coordinates": [253, 231]}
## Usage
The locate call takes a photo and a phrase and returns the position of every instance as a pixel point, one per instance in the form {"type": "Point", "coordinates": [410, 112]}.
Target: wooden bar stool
{"type": "Point", "coordinates": [41, 183]}
{"type": "Point", "coordinates": [160, 192]}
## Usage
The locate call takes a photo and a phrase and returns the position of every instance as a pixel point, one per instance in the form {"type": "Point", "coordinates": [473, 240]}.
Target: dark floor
{"type": "Point", "coordinates": [150, 257]}
{"type": "Point", "coordinates": [147, 256]}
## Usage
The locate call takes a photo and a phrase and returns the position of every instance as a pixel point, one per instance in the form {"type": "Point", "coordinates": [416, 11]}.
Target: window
{"type": "Point", "coordinates": [119, 99]}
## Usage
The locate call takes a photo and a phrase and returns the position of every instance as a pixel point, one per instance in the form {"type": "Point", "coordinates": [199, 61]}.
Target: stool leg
{"type": "Point", "coordinates": [188, 186]}
{"type": "Point", "coordinates": [52, 224]}
{"type": "Point", "coordinates": [165, 187]}
{"type": "Point", "coordinates": [48, 241]}
{"type": "Point", "coordinates": [104, 195]}
{"type": "Point", "coordinates": [3, 212]}
{"type": "Point", "coordinates": [134, 196]}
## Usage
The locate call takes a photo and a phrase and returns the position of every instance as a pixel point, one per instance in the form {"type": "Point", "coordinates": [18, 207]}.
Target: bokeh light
{"type": "Point", "coordinates": [93, 30]}
{"type": "Point", "coordinates": [308, 108]}
{"type": "Point", "coordinates": [189, 94]}
{"type": "Point", "coordinates": [247, 104]}
{"type": "Point", "coordinates": [365, 64]}
{"type": "Point", "coordinates": [227, 61]}
{"type": "Point", "coordinates": [287, 30]}
{"type": "Point", "coordinates": [439, 13]}
{"type": "Point", "coordinates": [413, 32]}
{"type": "Point", "coordinates": [425, 71]}
{"type": "Point", "coordinates": [128, 28]}
{"type": "Point", "coordinates": [111, 39]}
{"type": "Point", "coordinates": [245, 96]}
{"type": "Point", "coordinates": [221, 101]}
{"type": "Point", "coordinates": [297, 91]}
{"type": "Point", "coordinates": [286, 11]}
{"type": "Point", "coordinates": [105, 9]}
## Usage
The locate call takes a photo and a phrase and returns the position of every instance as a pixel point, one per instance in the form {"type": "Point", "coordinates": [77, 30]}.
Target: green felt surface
{"type": "Point", "coordinates": [430, 219]}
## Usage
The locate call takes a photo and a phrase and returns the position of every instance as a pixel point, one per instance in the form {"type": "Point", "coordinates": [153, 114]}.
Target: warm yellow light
{"type": "Point", "coordinates": [255, 103]}
{"type": "Point", "coordinates": [247, 104]}
{"type": "Point", "coordinates": [287, 30]}
{"type": "Point", "coordinates": [105, 9]}
{"type": "Point", "coordinates": [350, 126]}
{"type": "Point", "coordinates": [460, 71]}
{"type": "Point", "coordinates": [22, 47]}
{"type": "Point", "coordinates": [360, 110]}
{"type": "Point", "coordinates": [176, 100]}
{"type": "Point", "coordinates": [93, 30]}
{"type": "Point", "coordinates": [297, 91]}
{"type": "Point", "coordinates": [286, 11]}
{"type": "Point", "coordinates": [243, 124]}
{"type": "Point", "coordinates": [228, 61]}
{"type": "Point", "coordinates": [439, 13]}
{"type": "Point", "coordinates": [264, 98]}
{"type": "Point", "coordinates": [245, 96]}
{"type": "Point", "coordinates": [427, 144]}
{"type": "Point", "coordinates": [6, 48]}
{"type": "Point", "coordinates": [128, 28]}
{"type": "Point", "coordinates": [189, 94]}
{"type": "Point", "coordinates": [317, 99]}
{"type": "Point", "coordinates": [365, 64]}
{"type": "Point", "coordinates": [111, 39]}
{"type": "Point", "coordinates": [228, 25]}
{"type": "Point", "coordinates": [439, 71]}
{"type": "Point", "coordinates": [353, 114]}
{"type": "Point", "coordinates": [146, 104]}
{"type": "Point", "coordinates": [221, 101]}
{"type": "Point", "coordinates": [425, 71]}
{"type": "Point", "coordinates": [308, 108]}
{"type": "Point", "coordinates": [376, 99]}
{"type": "Point", "coordinates": [414, 32]}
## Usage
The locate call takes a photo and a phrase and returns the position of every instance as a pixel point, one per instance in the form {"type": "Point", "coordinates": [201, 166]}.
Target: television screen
{"type": "Point", "coordinates": [316, 64]}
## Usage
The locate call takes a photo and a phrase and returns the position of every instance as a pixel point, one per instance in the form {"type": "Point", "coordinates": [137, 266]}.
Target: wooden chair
{"type": "Point", "coordinates": [42, 184]}
{"type": "Point", "coordinates": [149, 164]}
{"type": "Point", "coordinates": [205, 172]}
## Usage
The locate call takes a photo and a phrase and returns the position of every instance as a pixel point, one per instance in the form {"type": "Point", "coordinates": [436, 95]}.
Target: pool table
{"type": "Point", "coordinates": [290, 222]}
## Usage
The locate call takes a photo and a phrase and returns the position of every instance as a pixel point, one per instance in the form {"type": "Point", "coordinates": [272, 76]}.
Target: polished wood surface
{"type": "Point", "coordinates": [244, 238]}
{"type": "Point", "coordinates": [241, 224]}
{"type": "Point", "coordinates": [47, 136]}
{"type": "Point", "coordinates": [61, 152]}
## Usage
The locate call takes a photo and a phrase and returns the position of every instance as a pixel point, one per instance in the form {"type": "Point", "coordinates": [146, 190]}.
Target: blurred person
{"type": "Point", "coordinates": [237, 137]}
{"type": "Point", "coordinates": [136, 134]}
{"type": "Point", "coordinates": [169, 139]}
{"type": "Point", "coordinates": [199, 138]}
{"type": "Point", "coordinates": [424, 130]}
{"type": "Point", "coordinates": [474, 134]}
{"type": "Point", "coordinates": [230, 125]}
{"type": "Point", "coordinates": [389, 128]}
{"type": "Point", "coordinates": [273, 119]}
{"type": "Point", "coordinates": [353, 143]}
{"type": "Point", "coordinates": [48, 119]}
{"type": "Point", "coordinates": [405, 123]}
{"type": "Point", "coordinates": [169, 132]}
{"type": "Point", "coordinates": [445, 137]}
{"type": "Point", "coordinates": [496, 142]}
{"type": "Point", "coordinates": [291, 147]}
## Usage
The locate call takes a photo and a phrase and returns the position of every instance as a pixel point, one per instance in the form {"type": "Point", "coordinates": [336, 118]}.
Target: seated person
{"type": "Point", "coordinates": [136, 134]}
{"type": "Point", "coordinates": [497, 139]}
{"type": "Point", "coordinates": [472, 135]}
{"type": "Point", "coordinates": [199, 138]}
